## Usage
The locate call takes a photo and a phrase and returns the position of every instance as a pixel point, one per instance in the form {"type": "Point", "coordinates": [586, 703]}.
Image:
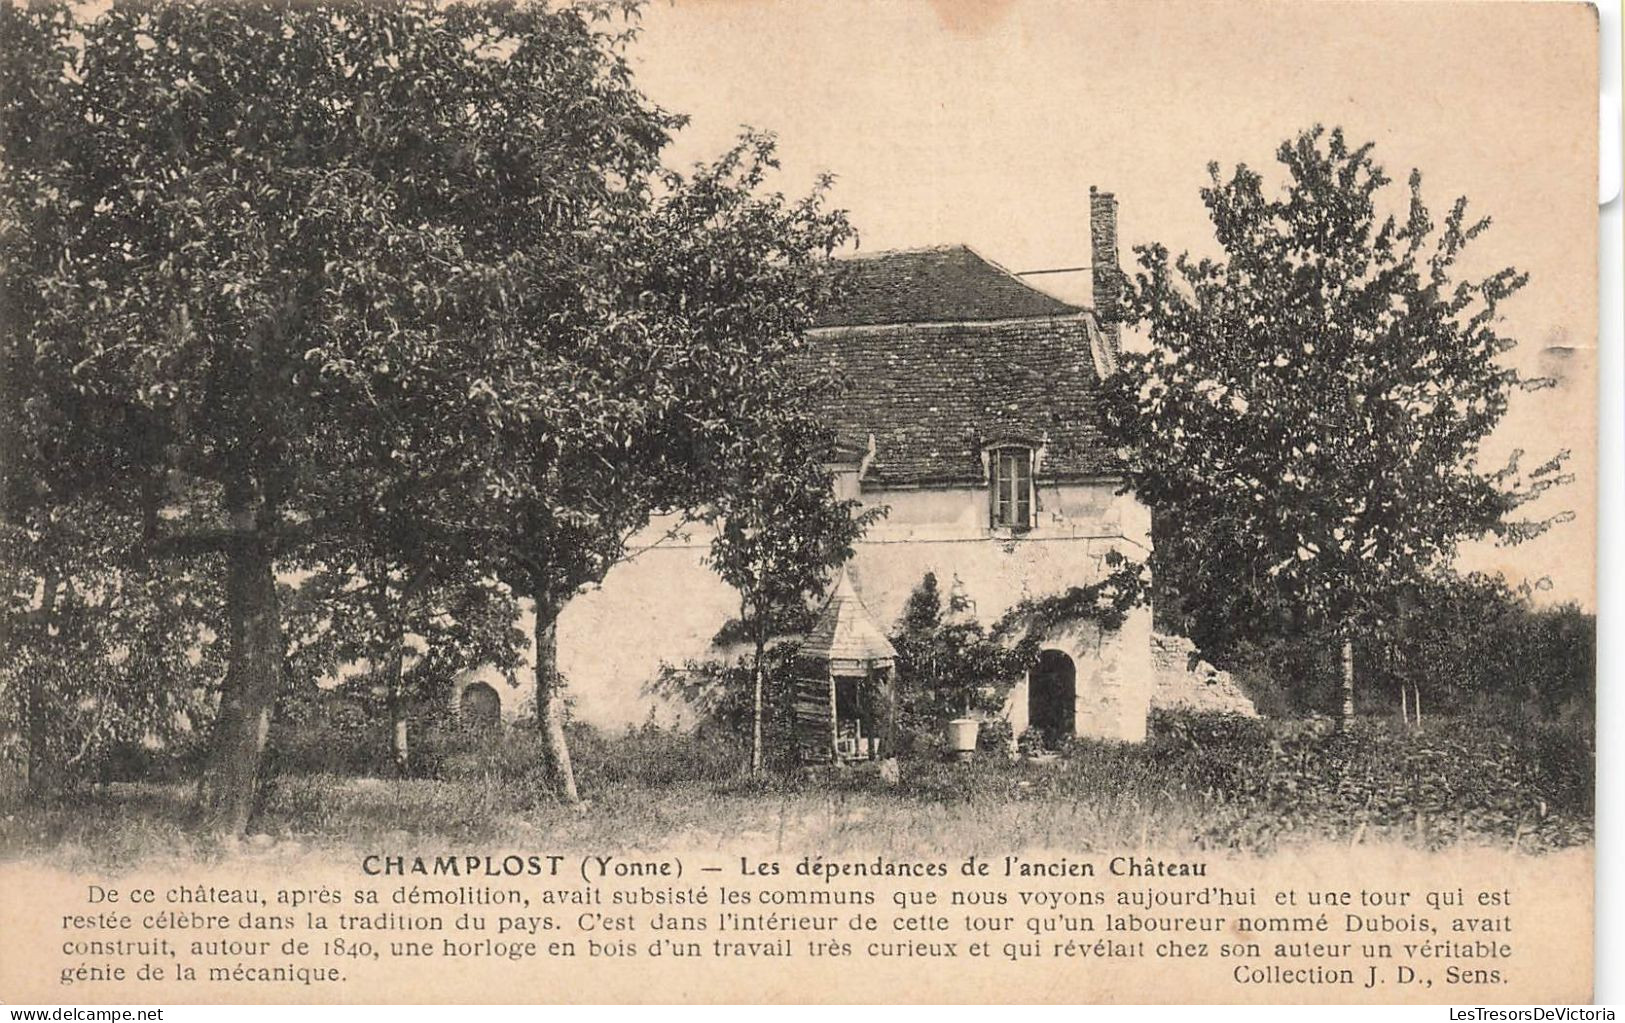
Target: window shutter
{"type": "Point", "coordinates": [1006, 488]}
{"type": "Point", "coordinates": [1010, 500]}
{"type": "Point", "coordinates": [1023, 483]}
{"type": "Point", "coordinates": [993, 489]}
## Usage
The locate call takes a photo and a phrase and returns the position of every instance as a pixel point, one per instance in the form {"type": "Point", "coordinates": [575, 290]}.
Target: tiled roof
{"type": "Point", "coordinates": [846, 634]}
{"type": "Point", "coordinates": [933, 394]}
{"type": "Point", "coordinates": [948, 284]}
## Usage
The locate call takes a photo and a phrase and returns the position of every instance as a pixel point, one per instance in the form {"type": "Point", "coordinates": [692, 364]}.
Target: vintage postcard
{"type": "Point", "coordinates": [756, 501]}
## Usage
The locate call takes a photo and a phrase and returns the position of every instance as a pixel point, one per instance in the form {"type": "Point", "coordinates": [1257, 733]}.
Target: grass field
{"type": "Point", "coordinates": [1200, 783]}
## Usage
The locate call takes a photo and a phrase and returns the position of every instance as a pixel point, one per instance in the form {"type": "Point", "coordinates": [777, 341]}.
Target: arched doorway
{"type": "Point", "coordinates": [1052, 696]}
{"type": "Point", "coordinates": [479, 708]}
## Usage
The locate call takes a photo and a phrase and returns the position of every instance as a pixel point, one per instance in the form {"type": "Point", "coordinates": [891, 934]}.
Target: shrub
{"type": "Point", "coordinates": [1460, 778]}
{"type": "Point", "coordinates": [996, 737]}
{"type": "Point", "coordinates": [647, 755]}
{"type": "Point", "coordinates": [453, 752]}
{"type": "Point", "coordinates": [325, 732]}
{"type": "Point", "coordinates": [722, 694]}
{"type": "Point", "coordinates": [651, 755]}
{"type": "Point", "coordinates": [1030, 743]}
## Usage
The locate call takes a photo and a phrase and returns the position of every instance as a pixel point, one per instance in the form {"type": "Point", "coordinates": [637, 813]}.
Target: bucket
{"type": "Point", "coordinates": [962, 736]}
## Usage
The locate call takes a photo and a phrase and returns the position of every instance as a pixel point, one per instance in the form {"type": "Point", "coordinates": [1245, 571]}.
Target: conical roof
{"type": "Point", "coordinates": [846, 634]}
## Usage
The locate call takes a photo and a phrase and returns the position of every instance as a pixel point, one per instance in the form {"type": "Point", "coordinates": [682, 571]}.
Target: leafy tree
{"type": "Point", "coordinates": [279, 264]}
{"type": "Point", "coordinates": [1475, 640]}
{"type": "Point", "coordinates": [650, 407]}
{"type": "Point", "coordinates": [1308, 418]}
{"type": "Point", "coordinates": [719, 693]}
{"type": "Point", "coordinates": [782, 531]}
{"type": "Point", "coordinates": [378, 615]}
{"type": "Point", "coordinates": [948, 665]}
{"type": "Point", "coordinates": [100, 655]}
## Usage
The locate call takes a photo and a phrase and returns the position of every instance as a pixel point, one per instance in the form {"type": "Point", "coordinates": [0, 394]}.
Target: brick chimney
{"type": "Point", "coordinates": [1107, 276]}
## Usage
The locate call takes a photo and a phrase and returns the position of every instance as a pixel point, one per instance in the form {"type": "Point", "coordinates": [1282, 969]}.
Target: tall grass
{"type": "Point", "coordinates": [1198, 782]}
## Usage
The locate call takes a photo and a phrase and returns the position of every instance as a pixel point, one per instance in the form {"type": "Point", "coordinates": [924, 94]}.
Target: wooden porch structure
{"type": "Point", "coordinates": [845, 695]}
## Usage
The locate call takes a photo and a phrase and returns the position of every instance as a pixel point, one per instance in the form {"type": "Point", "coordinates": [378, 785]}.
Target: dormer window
{"type": "Point", "coordinates": [1011, 471]}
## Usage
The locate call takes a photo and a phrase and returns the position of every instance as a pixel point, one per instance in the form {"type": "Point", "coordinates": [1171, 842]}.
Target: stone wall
{"type": "Point", "coordinates": [1186, 682]}
{"type": "Point", "coordinates": [1113, 693]}
{"type": "Point", "coordinates": [665, 605]}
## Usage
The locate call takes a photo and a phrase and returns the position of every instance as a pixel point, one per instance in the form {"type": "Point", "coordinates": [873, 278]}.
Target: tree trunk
{"type": "Point", "coordinates": [400, 743]}
{"type": "Point", "coordinates": [756, 703]}
{"type": "Point", "coordinates": [550, 702]}
{"type": "Point", "coordinates": [884, 684]}
{"type": "Point", "coordinates": [1347, 713]}
{"type": "Point", "coordinates": [399, 749]}
{"type": "Point", "coordinates": [232, 773]}
{"type": "Point", "coordinates": [395, 664]}
{"type": "Point", "coordinates": [35, 712]}
{"type": "Point", "coordinates": [888, 714]}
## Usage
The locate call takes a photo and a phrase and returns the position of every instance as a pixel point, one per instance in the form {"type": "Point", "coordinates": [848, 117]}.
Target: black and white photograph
{"type": "Point", "coordinates": [537, 501]}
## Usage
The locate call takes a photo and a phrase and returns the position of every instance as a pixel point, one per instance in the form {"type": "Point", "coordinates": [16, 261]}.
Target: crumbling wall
{"type": "Point", "coordinates": [1183, 681]}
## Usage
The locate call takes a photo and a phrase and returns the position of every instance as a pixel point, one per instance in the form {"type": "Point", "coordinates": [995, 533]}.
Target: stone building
{"type": "Point", "coordinates": [971, 414]}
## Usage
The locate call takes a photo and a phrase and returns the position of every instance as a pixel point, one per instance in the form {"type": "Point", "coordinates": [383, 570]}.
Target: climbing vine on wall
{"type": "Point", "coordinates": [1106, 603]}
{"type": "Point", "coordinates": [950, 665]}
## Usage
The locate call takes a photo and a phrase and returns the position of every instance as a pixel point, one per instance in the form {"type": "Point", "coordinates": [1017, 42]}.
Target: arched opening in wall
{"type": "Point", "coordinates": [479, 708]}
{"type": "Point", "coordinates": [1052, 696]}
